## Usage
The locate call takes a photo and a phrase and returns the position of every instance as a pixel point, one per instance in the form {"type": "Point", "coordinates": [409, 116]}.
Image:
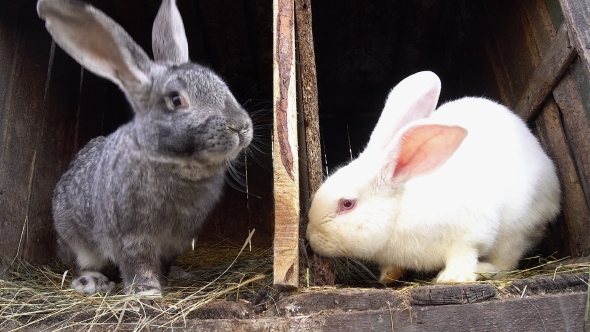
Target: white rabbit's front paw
{"type": "Point", "coordinates": [92, 282]}
{"type": "Point", "coordinates": [449, 276]}
{"type": "Point", "coordinates": [390, 274]}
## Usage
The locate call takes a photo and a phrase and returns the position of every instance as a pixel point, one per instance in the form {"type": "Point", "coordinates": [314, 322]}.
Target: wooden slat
{"type": "Point", "coordinates": [563, 312]}
{"type": "Point", "coordinates": [515, 54]}
{"type": "Point", "coordinates": [546, 75]}
{"type": "Point", "coordinates": [286, 163]}
{"type": "Point", "coordinates": [577, 17]}
{"type": "Point", "coordinates": [322, 270]}
{"type": "Point", "coordinates": [571, 95]}
{"type": "Point", "coordinates": [309, 93]}
{"type": "Point", "coordinates": [25, 75]}
{"type": "Point", "coordinates": [575, 213]}
{"type": "Point", "coordinates": [55, 141]}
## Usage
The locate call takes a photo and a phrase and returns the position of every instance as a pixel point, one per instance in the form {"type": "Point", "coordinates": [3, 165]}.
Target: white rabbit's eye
{"type": "Point", "coordinates": [346, 205]}
{"type": "Point", "coordinates": [176, 100]}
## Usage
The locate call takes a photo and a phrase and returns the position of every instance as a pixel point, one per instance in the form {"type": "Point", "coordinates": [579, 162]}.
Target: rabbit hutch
{"type": "Point", "coordinates": [314, 77]}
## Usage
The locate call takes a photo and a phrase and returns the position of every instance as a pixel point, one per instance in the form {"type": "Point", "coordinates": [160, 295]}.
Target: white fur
{"type": "Point", "coordinates": [491, 199]}
{"type": "Point", "coordinates": [92, 282]}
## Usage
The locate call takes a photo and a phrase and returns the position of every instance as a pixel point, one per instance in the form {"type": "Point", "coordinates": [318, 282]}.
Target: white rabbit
{"type": "Point", "coordinates": [466, 190]}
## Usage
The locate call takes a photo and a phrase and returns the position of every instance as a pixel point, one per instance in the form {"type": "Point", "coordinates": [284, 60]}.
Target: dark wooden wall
{"type": "Point", "coordinates": [50, 108]}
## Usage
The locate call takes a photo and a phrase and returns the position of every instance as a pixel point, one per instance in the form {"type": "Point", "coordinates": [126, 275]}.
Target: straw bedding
{"type": "Point", "coordinates": [41, 298]}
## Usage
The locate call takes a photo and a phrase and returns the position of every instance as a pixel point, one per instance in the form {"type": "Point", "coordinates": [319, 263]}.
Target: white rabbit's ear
{"type": "Point", "coordinates": [413, 98]}
{"type": "Point", "coordinates": [95, 41]}
{"type": "Point", "coordinates": [420, 149]}
{"type": "Point", "coordinates": [169, 41]}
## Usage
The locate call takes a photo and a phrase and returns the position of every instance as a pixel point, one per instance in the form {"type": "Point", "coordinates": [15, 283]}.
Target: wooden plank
{"type": "Point", "coordinates": [563, 312]}
{"type": "Point", "coordinates": [452, 294]}
{"type": "Point", "coordinates": [54, 144]}
{"type": "Point", "coordinates": [286, 163]}
{"type": "Point", "coordinates": [541, 25]}
{"type": "Point", "coordinates": [546, 75]}
{"type": "Point", "coordinates": [577, 17]}
{"type": "Point", "coordinates": [322, 270]}
{"type": "Point", "coordinates": [515, 50]}
{"type": "Point", "coordinates": [309, 93]}
{"type": "Point", "coordinates": [560, 283]}
{"type": "Point", "coordinates": [22, 116]}
{"type": "Point", "coordinates": [571, 229]}
{"type": "Point", "coordinates": [573, 100]}
{"type": "Point", "coordinates": [344, 300]}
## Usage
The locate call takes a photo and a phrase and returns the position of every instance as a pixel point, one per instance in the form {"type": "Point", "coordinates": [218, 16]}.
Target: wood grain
{"type": "Point", "coordinates": [577, 17]}
{"type": "Point", "coordinates": [546, 75]}
{"type": "Point", "coordinates": [570, 236]}
{"type": "Point", "coordinates": [452, 294]}
{"type": "Point", "coordinates": [560, 283]}
{"type": "Point", "coordinates": [334, 300]}
{"type": "Point", "coordinates": [322, 270]}
{"type": "Point", "coordinates": [562, 312]}
{"type": "Point", "coordinates": [24, 72]}
{"type": "Point", "coordinates": [286, 164]}
{"type": "Point", "coordinates": [573, 100]}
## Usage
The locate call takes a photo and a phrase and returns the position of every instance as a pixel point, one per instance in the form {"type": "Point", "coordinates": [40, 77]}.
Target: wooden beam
{"type": "Point", "coordinates": [546, 75]}
{"type": "Point", "coordinates": [574, 210]}
{"type": "Point", "coordinates": [322, 270]}
{"type": "Point", "coordinates": [286, 162]}
{"type": "Point", "coordinates": [571, 97]}
{"type": "Point", "coordinates": [562, 312]}
{"type": "Point", "coordinates": [577, 17]}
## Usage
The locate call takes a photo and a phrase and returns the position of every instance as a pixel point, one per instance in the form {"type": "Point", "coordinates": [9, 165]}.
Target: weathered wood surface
{"type": "Point", "coordinates": [571, 95]}
{"type": "Point", "coordinates": [569, 237]}
{"type": "Point", "coordinates": [452, 294]}
{"type": "Point", "coordinates": [546, 75]}
{"type": "Point", "coordinates": [321, 270]}
{"type": "Point", "coordinates": [334, 300]}
{"type": "Point", "coordinates": [560, 283]}
{"type": "Point", "coordinates": [27, 150]}
{"type": "Point", "coordinates": [223, 310]}
{"type": "Point", "coordinates": [563, 312]}
{"type": "Point", "coordinates": [511, 48]}
{"type": "Point", "coordinates": [285, 154]}
{"type": "Point", "coordinates": [577, 16]}
{"type": "Point", "coordinates": [308, 95]}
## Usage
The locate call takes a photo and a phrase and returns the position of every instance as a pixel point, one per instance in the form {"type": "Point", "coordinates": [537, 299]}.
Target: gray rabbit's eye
{"type": "Point", "coordinates": [175, 100]}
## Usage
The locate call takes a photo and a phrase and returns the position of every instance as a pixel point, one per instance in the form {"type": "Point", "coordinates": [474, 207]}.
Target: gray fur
{"type": "Point", "coordinates": [138, 197]}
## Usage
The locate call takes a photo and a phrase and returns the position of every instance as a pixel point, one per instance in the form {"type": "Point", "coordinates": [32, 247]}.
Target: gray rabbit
{"type": "Point", "coordinates": [136, 198]}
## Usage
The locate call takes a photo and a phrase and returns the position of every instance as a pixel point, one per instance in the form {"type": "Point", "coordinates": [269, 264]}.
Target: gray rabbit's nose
{"type": "Point", "coordinates": [235, 128]}
{"type": "Point", "coordinates": [239, 128]}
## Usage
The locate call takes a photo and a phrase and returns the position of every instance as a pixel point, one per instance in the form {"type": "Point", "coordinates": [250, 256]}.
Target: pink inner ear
{"type": "Point", "coordinates": [424, 148]}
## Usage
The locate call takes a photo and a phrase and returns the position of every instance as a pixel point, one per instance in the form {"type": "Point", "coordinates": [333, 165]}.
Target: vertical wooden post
{"type": "Point", "coordinates": [577, 17]}
{"type": "Point", "coordinates": [285, 155]}
{"type": "Point", "coordinates": [321, 269]}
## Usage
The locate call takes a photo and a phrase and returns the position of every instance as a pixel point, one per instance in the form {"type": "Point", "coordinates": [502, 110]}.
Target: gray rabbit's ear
{"type": "Point", "coordinates": [168, 37]}
{"type": "Point", "coordinates": [95, 41]}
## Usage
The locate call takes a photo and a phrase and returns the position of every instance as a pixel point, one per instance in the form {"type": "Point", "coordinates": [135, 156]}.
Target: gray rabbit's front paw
{"type": "Point", "coordinates": [92, 282]}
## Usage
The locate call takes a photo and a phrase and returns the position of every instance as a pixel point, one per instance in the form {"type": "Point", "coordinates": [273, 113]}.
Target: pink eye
{"type": "Point", "coordinates": [346, 205]}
